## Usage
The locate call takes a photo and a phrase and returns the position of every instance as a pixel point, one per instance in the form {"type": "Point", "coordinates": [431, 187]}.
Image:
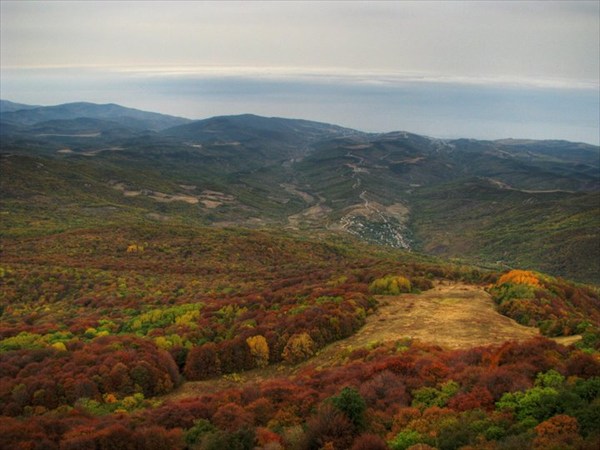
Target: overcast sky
{"type": "Point", "coordinates": [476, 69]}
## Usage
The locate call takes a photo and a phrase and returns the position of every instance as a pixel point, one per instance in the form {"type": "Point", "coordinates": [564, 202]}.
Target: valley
{"type": "Point", "coordinates": [449, 198]}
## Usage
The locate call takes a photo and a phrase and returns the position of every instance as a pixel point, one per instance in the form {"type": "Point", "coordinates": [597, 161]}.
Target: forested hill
{"type": "Point", "coordinates": [251, 283]}
{"type": "Point", "coordinates": [507, 203]}
{"type": "Point", "coordinates": [154, 336]}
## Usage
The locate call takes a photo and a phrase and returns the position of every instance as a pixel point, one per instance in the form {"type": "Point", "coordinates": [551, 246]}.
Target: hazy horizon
{"type": "Point", "coordinates": [483, 70]}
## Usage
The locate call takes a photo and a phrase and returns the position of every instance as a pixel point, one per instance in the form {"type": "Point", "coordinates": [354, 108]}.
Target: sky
{"type": "Point", "coordinates": [476, 69]}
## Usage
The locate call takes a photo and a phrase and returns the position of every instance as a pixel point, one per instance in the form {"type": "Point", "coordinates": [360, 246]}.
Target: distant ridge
{"type": "Point", "coordinates": [8, 106]}
{"type": "Point", "coordinates": [26, 115]}
{"type": "Point", "coordinates": [247, 127]}
{"type": "Point", "coordinates": [514, 202]}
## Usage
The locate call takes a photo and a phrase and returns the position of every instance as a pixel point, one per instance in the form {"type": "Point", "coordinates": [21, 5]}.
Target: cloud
{"type": "Point", "coordinates": [356, 76]}
{"type": "Point", "coordinates": [507, 40]}
{"type": "Point", "coordinates": [319, 75]}
{"type": "Point", "coordinates": [440, 68]}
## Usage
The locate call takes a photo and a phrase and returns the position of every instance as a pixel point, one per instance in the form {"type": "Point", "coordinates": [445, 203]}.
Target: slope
{"type": "Point", "coordinates": [519, 203]}
{"type": "Point", "coordinates": [26, 116]}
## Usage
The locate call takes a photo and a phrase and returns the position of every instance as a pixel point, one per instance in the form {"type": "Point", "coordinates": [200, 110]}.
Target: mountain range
{"type": "Point", "coordinates": [504, 203]}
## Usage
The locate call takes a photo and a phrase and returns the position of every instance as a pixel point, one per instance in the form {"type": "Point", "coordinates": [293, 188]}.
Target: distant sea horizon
{"type": "Point", "coordinates": [439, 109]}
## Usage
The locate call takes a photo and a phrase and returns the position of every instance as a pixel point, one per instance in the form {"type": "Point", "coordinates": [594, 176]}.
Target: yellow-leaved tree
{"type": "Point", "coordinates": [390, 285]}
{"type": "Point", "coordinates": [259, 348]}
{"type": "Point", "coordinates": [298, 348]}
{"type": "Point", "coordinates": [135, 248]}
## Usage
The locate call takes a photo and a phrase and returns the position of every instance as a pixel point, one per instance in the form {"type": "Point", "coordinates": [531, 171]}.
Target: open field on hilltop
{"type": "Point", "coordinates": [451, 315]}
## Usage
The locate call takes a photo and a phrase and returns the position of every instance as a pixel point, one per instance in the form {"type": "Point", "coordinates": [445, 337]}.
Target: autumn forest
{"type": "Point", "coordinates": [100, 327]}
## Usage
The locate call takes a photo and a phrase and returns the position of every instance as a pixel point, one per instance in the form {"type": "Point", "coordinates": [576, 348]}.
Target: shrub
{"type": "Point", "coordinates": [558, 432]}
{"type": "Point", "coordinates": [369, 442]}
{"type": "Point", "coordinates": [259, 348]}
{"type": "Point", "coordinates": [390, 285]}
{"type": "Point", "coordinates": [298, 348]}
{"type": "Point", "coordinates": [328, 427]}
{"type": "Point", "coordinates": [405, 439]}
{"type": "Point", "coordinates": [351, 403]}
{"type": "Point", "coordinates": [519, 277]}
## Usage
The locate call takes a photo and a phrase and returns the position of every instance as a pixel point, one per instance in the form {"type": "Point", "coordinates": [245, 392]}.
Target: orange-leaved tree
{"type": "Point", "coordinates": [519, 277]}
{"type": "Point", "coordinates": [558, 432]}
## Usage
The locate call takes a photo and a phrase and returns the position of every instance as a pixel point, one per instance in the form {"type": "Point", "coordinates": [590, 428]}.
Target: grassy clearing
{"type": "Point", "coordinates": [452, 315]}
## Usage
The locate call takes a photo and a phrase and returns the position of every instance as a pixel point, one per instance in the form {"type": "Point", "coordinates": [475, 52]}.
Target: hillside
{"type": "Point", "coordinates": [8, 106]}
{"type": "Point", "coordinates": [252, 283]}
{"type": "Point", "coordinates": [374, 226]}
{"type": "Point", "coordinates": [453, 315]}
{"type": "Point", "coordinates": [25, 115]}
{"type": "Point", "coordinates": [530, 204]}
{"type": "Point", "coordinates": [172, 336]}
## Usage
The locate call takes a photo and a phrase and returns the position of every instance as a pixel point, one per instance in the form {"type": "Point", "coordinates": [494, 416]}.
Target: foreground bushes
{"type": "Point", "coordinates": [533, 394]}
{"type": "Point", "coordinates": [105, 368]}
{"type": "Point", "coordinates": [557, 307]}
